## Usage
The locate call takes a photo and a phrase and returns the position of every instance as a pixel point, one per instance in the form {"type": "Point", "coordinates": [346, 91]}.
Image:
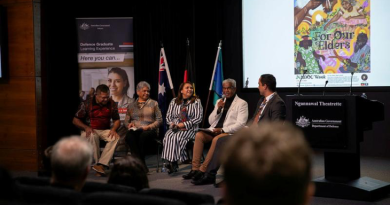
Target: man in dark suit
{"type": "Point", "coordinates": [270, 107]}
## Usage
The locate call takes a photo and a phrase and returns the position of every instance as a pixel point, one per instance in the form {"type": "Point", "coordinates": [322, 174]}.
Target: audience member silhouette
{"type": "Point", "coordinates": [269, 164]}
{"type": "Point", "coordinates": [70, 162]}
{"type": "Point", "coordinates": [129, 171]}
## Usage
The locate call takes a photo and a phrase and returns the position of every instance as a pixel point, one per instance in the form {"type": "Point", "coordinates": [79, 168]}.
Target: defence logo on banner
{"type": "Point", "coordinates": [84, 26]}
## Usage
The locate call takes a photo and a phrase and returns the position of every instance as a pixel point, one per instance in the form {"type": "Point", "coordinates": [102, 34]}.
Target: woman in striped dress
{"type": "Point", "coordinates": [183, 117]}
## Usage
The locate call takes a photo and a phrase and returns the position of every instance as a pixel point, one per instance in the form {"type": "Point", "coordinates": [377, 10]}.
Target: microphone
{"type": "Point", "coordinates": [350, 88]}
{"type": "Point", "coordinates": [220, 108]}
{"type": "Point", "coordinates": [326, 83]}
{"type": "Point", "coordinates": [173, 127]}
{"type": "Point", "coordinates": [299, 85]}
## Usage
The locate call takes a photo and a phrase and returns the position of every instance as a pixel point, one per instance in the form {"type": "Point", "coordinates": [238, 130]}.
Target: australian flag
{"type": "Point", "coordinates": [164, 84]}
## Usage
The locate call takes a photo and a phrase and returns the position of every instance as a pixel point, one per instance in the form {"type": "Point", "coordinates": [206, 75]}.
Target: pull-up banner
{"type": "Point", "coordinates": [105, 56]}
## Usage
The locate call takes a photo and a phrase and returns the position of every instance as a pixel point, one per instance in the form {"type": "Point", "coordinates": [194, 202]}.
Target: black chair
{"type": "Point", "coordinates": [35, 181]}
{"type": "Point", "coordinates": [126, 199]}
{"type": "Point", "coordinates": [47, 195]}
{"type": "Point", "coordinates": [186, 197]}
{"type": "Point", "coordinates": [91, 187]}
{"type": "Point", "coordinates": [7, 187]}
{"type": "Point", "coordinates": [159, 147]}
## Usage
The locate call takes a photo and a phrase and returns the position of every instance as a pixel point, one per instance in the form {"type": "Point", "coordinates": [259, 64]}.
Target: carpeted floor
{"type": "Point", "coordinates": [377, 168]}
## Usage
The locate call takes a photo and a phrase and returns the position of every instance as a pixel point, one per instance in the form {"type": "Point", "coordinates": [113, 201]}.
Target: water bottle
{"type": "Point", "coordinates": [364, 95]}
{"type": "Point", "coordinates": [163, 169]}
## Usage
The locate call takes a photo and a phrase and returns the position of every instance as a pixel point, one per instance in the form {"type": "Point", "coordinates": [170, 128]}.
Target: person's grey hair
{"type": "Point", "coordinates": [143, 84]}
{"type": "Point", "coordinates": [231, 81]}
{"type": "Point", "coordinates": [70, 157]}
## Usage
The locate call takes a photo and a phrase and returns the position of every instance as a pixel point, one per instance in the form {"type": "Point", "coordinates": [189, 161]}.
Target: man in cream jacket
{"type": "Point", "coordinates": [229, 116]}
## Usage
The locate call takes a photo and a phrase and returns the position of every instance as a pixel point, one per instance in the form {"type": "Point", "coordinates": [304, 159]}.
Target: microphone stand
{"type": "Point", "coordinates": [326, 83]}
{"type": "Point", "coordinates": [299, 84]}
{"type": "Point", "coordinates": [350, 88]}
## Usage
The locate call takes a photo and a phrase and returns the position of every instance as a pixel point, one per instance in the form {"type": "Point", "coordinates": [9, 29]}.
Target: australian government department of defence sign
{"type": "Point", "coordinates": [322, 121]}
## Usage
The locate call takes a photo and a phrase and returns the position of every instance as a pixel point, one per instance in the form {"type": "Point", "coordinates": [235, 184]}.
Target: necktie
{"type": "Point", "coordinates": [256, 120]}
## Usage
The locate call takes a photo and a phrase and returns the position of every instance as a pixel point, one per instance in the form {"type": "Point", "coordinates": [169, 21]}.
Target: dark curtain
{"type": "Point", "coordinates": [168, 21]}
{"type": "Point", "coordinates": [205, 23]}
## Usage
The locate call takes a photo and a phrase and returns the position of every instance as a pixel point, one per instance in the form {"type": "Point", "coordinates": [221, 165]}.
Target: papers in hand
{"type": "Point", "coordinates": [135, 128]}
{"type": "Point", "coordinates": [209, 130]}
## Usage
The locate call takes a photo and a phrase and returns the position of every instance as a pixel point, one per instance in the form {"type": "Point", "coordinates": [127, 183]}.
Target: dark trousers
{"type": "Point", "coordinates": [138, 142]}
{"type": "Point", "coordinates": [214, 164]}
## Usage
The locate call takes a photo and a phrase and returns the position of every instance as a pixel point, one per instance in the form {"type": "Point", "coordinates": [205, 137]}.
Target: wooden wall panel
{"type": "Point", "coordinates": [20, 39]}
{"type": "Point", "coordinates": [3, 2]}
{"type": "Point", "coordinates": [18, 114]}
{"type": "Point", "coordinates": [18, 119]}
{"type": "Point", "coordinates": [19, 159]}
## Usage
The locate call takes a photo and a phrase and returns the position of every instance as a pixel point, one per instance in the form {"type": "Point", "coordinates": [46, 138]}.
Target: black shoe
{"type": "Point", "coordinates": [206, 179]}
{"type": "Point", "coordinates": [172, 167]}
{"type": "Point", "coordinates": [191, 174]}
{"type": "Point", "coordinates": [198, 176]}
{"type": "Point", "coordinates": [175, 166]}
{"type": "Point", "coordinates": [168, 167]}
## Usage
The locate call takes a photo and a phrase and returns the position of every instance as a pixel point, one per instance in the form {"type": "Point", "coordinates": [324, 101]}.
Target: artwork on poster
{"type": "Point", "coordinates": [336, 41]}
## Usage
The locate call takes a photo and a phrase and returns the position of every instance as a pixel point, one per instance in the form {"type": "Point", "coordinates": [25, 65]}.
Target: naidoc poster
{"type": "Point", "coordinates": [332, 41]}
{"type": "Point", "coordinates": [106, 57]}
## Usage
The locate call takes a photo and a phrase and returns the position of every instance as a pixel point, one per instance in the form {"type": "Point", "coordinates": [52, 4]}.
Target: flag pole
{"type": "Point", "coordinates": [173, 93]}
{"type": "Point", "coordinates": [215, 65]}
{"type": "Point", "coordinates": [211, 84]}
{"type": "Point", "coordinates": [167, 70]}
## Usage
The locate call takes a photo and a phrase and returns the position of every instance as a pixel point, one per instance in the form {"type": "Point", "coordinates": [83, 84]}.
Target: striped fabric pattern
{"type": "Point", "coordinates": [175, 142]}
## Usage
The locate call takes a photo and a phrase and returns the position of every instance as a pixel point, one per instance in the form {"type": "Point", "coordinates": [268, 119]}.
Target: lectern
{"type": "Point", "coordinates": [335, 125]}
